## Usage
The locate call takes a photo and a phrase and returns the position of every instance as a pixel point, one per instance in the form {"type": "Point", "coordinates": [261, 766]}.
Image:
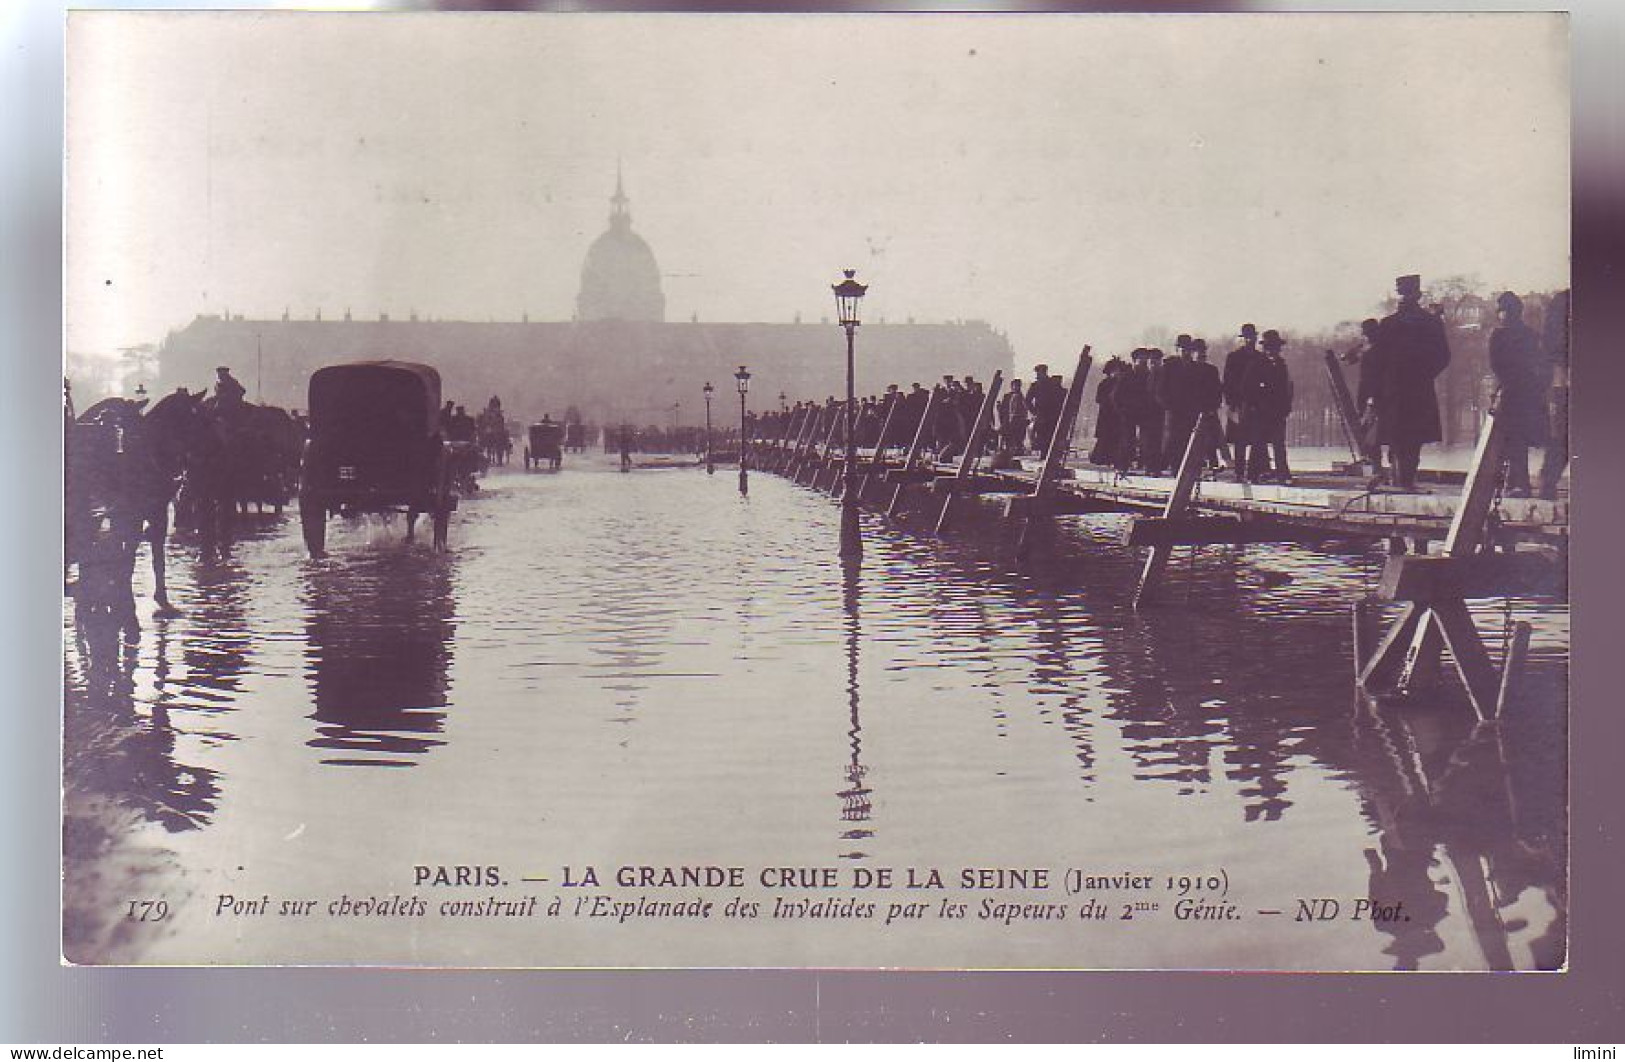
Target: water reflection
{"type": "Point", "coordinates": [114, 749]}
{"type": "Point", "coordinates": [856, 803]}
{"type": "Point", "coordinates": [379, 627]}
{"type": "Point", "coordinates": [1455, 832]}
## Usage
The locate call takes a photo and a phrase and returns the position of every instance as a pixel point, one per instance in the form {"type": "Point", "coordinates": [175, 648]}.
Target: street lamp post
{"type": "Point", "coordinates": [710, 466]}
{"type": "Point", "coordinates": [743, 379]}
{"type": "Point", "coordinates": [848, 293]}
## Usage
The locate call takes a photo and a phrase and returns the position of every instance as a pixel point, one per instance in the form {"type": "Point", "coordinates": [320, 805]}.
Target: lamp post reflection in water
{"type": "Point", "coordinates": [848, 293]}
{"type": "Point", "coordinates": [380, 630]}
{"type": "Point", "coordinates": [856, 806]}
{"type": "Point", "coordinates": [742, 377]}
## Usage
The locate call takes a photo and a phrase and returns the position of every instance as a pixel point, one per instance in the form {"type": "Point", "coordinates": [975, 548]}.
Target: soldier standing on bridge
{"type": "Point", "coordinates": [1410, 353]}
{"type": "Point", "coordinates": [1044, 400]}
{"type": "Point", "coordinates": [1523, 374]}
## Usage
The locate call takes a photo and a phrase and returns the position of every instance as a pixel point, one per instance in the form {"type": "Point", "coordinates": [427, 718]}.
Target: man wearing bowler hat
{"type": "Point", "coordinates": [1411, 351]}
{"type": "Point", "coordinates": [1266, 403]}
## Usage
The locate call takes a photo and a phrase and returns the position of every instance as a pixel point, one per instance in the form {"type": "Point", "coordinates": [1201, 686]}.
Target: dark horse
{"type": "Point", "coordinates": [245, 455]}
{"type": "Point", "coordinates": [123, 471]}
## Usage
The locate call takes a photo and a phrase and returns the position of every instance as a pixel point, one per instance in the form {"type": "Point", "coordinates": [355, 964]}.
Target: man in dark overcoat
{"type": "Point", "coordinates": [1555, 340]}
{"type": "Point", "coordinates": [1236, 364]}
{"type": "Point", "coordinates": [1266, 403]}
{"type": "Point", "coordinates": [1013, 419]}
{"type": "Point", "coordinates": [1176, 395]}
{"type": "Point", "coordinates": [1108, 430]}
{"type": "Point", "coordinates": [1410, 353]}
{"type": "Point", "coordinates": [1523, 375]}
{"type": "Point", "coordinates": [1207, 393]}
{"type": "Point", "coordinates": [1044, 400]}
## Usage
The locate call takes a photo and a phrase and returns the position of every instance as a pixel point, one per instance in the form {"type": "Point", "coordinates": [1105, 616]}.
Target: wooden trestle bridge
{"type": "Point", "coordinates": [1492, 546]}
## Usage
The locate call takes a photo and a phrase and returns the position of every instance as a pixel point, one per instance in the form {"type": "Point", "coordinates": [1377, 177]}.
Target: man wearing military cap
{"type": "Point", "coordinates": [1523, 374]}
{"type": "Point", "coordinates": [1410, 352]}
{"type": "Point", "coordinates": [1044, 400]}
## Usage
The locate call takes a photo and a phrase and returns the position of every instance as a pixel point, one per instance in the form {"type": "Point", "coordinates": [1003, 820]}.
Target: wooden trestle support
{"type": "Point", "coordinates": [1434, 592]}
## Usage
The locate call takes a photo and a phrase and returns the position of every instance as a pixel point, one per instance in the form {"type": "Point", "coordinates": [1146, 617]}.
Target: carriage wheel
{"type": "Point", "coordinates": [313, 519]}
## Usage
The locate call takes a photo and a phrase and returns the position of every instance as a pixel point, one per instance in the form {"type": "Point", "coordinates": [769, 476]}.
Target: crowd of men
{"type": "Point", "coordinates": [1148, 406]}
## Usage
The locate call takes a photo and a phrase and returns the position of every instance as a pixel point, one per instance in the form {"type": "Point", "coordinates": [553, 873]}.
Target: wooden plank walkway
{"type": "Point", "coordinates": [1324, 503]}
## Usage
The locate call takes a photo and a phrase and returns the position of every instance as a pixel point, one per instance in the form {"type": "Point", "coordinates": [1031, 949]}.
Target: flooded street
{"type": "Point", "coordinates": [610, 671]}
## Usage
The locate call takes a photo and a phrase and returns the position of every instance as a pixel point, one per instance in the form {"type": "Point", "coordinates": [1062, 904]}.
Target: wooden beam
{"type": "Point", "coordinates": [1190, 473]}
{"type": "Point", "coordinates": [1347, 412]}
{"type": "Point", "coordinates": [911, 463]}
{"type": "Point", "coordinates": [1218, 530]}
{"type": "Point", "coordinates": [1512, 666]}
{"type": "Point", "coordinates": [1423, 578]}
{"type": "Point", "coordinates": [973, 447]}
{"type": "Point", "coordinates": [1049, 473]}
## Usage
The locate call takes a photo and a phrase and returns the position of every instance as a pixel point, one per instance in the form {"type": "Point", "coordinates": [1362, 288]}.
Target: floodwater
{"type": "Point", "coordinates": [647, 669]}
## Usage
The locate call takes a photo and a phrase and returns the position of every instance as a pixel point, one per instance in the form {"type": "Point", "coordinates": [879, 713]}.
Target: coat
{"type": "Point", "coordinates": [1410, 352]}
{"type": "Point", "coordinates": [1236, 364]}
{"type": "Point", "coordinates": [1524, 372]}
{"type": "Point", "coordinates": [1266, 398]}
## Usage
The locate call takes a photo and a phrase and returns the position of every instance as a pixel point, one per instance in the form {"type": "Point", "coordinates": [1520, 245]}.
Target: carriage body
{"type": "Point", "coordinates": [375, 446]}
{"type": "Point", "coordinates": [544, 442]}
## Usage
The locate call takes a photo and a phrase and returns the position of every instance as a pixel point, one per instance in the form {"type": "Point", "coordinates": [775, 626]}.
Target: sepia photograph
{"type": "Point", "coordinates": [945, 491]}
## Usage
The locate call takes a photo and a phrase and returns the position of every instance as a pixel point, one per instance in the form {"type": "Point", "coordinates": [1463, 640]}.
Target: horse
{"type": "Point", "coordinates": [494, 439]}
{"type": "Point", "coordinates": [123, 471]}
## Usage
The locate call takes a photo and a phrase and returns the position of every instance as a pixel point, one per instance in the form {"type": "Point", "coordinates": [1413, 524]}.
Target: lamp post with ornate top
{"type": "Point", "coordinates": [848, 293]}
{"type": "Point", "coordinates": [710, 466]}
{"type": "Point", "coordinates": [742, 377]}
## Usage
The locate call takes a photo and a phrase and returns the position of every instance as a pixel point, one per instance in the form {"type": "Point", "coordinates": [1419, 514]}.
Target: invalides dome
{"type": "Point", "coordinates": [620, 280]}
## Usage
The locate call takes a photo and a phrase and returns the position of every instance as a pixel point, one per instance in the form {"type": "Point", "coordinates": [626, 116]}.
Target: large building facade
{"type": "Point", "coordinates": [618, 360]}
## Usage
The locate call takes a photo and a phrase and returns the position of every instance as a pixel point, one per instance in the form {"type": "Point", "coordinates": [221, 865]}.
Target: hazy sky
{"type": "Point", "coordinates": [1070, 179]}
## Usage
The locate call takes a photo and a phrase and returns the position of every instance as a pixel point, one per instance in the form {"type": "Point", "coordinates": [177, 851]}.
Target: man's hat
{"type": "Point", "coordinates": [1248, 330]}
{"type": "Point", "coordinates": [1183, 342]}
{"type": "Point", "coordinates": [222, 368]}
{"type": "Point", "coordinates": [1139, 353]}
{"type": "Point", "coordinates": [1155, 353]}
{"type": "Point", "coordinates": [1198, 344]}
{"type": "Point", "coordinates": [1272, 338]}
{"type": "Point", "coordinates": [1508, 301]}
{"type": "Point", "coordinates": [1409, 284]}
{"type": "Point", "coordinates": [1041, 368]}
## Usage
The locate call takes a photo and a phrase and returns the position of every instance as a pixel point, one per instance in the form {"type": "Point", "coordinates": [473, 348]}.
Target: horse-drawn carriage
{"type": "Point", "coordinates": [375, 446]}
{"type": "Point", "coordinates": [545, 443]}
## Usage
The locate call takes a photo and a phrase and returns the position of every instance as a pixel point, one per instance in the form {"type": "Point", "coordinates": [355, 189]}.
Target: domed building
{"type": "Point", "coordinates": [618, 359]}
{"type": "Point", "coordinates": [619, 278]}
